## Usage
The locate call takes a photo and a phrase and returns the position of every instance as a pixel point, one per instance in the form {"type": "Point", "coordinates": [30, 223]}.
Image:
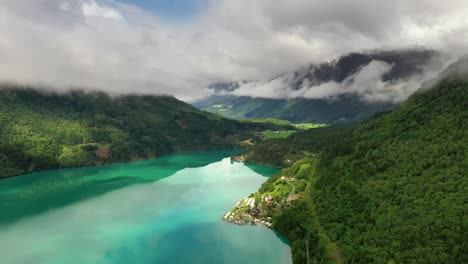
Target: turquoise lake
{"type": "Point", "coordinates": [166, 210]}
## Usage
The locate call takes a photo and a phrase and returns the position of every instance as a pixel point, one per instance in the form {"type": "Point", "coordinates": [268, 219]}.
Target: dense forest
{"type": "Point", "coordinates": [45, 130]}
{"type": "Point", "coordinates": [390, 190]}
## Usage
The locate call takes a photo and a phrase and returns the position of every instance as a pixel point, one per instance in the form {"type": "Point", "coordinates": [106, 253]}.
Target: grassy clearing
{"type": "Point", "coordinates": [269, 120]}
{"type": "Point", "coordinates": [268, 134]}
{"type": "Point", "coordinates": [286, 122]}
{"type": "Point", "coordinates": [308, 125]}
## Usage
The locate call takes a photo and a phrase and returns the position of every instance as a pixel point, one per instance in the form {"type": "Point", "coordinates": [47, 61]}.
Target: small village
{"type": "Point", "coordinates": [237, 158]}
{"type": "Point", "coordinates": [259, 209]}
{"type": "Point", "coordinates": [276, 194]}
{"type": "Point", "coordinates": [247, 212]}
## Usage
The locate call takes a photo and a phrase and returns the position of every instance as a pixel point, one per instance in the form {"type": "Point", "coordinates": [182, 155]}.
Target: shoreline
{"type": "Point", "coordinates": [241, 158]}
{"type": "Point", "coordinates": [124, 162]}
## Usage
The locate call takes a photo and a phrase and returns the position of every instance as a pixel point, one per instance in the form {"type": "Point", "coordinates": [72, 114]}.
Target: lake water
{"type": "Point", "coordinates": [166, 210]}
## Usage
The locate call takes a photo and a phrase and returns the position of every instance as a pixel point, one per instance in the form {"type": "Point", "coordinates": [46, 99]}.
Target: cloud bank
{"type": "Point", "coordinates": [119, 48]}
{"type": "Point", "coordinates": [368, 83]}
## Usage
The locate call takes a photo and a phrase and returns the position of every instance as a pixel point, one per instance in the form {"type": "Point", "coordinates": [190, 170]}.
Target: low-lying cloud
{"type": "Point", "coordinates": [368, 83]}
{"type": "Point", "coordinates": [119, 48]}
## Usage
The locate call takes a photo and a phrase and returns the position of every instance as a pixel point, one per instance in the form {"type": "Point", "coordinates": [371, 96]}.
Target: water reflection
{"type": "Point", "coordinates": [173, 220]}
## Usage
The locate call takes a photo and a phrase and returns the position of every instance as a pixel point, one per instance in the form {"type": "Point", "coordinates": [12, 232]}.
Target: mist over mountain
{"type": "Point", "coordinates": [348, 88]}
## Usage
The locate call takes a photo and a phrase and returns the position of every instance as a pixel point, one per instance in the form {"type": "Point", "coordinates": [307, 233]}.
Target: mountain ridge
{"type": "Point", "coordinates": [330, 106]}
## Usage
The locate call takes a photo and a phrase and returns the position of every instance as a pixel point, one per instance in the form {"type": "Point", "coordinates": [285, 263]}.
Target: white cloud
{"type": "Point", "coordinates": [107, 45]}
{"type": "Point", "coordinates": [92, 8]}
{"type": "Point", "coordinates": [64, 6]}
{"type": "Point", "coordinates": [368, 83]}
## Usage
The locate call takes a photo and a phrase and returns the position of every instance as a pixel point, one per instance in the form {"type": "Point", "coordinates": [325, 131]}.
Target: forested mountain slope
{"type": "Point", "coordinates": [45, 130]}
{"type": "Point", "coordinates": [393, 190]}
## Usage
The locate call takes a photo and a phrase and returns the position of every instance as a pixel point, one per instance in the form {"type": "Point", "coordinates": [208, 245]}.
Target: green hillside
{"type": "Point", "coordinates": [392, 190]}
{"type": "Point", "coordinates": [345, 110]}
{"type": "Point", "coordinates": [41, 130]}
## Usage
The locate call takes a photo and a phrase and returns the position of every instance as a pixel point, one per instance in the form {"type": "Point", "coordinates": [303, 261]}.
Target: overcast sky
{"type": "Point", "coordinates": [180, 47]}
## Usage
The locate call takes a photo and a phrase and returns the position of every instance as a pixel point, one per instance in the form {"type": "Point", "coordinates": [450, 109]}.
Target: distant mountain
{"type": "Point", "coordinates": [45, 130]}
{"type": "Point", "coordinates": [342, 108]}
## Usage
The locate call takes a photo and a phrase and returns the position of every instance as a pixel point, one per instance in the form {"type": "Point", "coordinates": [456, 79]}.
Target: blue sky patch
{"type": "Point", "coordinates": [169, 9]}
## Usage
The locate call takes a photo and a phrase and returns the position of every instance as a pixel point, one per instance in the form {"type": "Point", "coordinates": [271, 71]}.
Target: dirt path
{"type": "Point", "coordinates": [331, 248]}
{"type": "Point", "coordinates": [292, 186]}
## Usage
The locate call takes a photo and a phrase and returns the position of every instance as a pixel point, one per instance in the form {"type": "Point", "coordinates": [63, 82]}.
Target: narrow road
{"type": "Point", "coordinates": [293, 189]}
{"type": "Point", "coordinates": [331, 248]}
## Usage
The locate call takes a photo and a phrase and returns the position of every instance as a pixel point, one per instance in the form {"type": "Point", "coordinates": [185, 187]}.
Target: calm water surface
{"type": "Point", "coordinates": [160, 211]}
